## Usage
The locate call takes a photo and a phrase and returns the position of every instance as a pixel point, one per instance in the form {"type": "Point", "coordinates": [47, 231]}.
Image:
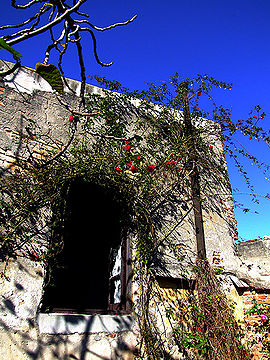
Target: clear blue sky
{"type": "Point", "coordinates": [226, 39]}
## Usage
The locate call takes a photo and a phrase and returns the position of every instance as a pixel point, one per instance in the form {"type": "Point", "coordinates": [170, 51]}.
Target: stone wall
{"type": "Point", "coordinates": [29, 105]}
{"type": "Point", "coordinates": [257, 304]}
{"type": "Point", "coordinates": [32, 123]}
{"type": "Point", "coordinates": [254, 296]}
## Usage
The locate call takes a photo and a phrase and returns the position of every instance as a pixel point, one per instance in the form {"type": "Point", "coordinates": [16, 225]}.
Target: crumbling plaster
{"type": "Point", "coordinates": [27, 98]}
{"type": "Point", "coordinates": [255, 262]}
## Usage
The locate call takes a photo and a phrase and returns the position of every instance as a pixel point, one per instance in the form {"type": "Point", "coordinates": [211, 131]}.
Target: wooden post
{"type": "Point", "coordinates": [194, 179]}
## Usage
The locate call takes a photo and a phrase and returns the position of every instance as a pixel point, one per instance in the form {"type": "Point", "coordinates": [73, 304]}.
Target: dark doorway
{"type": "Point", "coordinates": [93, 240]}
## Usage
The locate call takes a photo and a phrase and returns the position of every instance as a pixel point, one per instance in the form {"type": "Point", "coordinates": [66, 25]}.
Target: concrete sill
{"type": "Point", "coordinates": [54, 323]}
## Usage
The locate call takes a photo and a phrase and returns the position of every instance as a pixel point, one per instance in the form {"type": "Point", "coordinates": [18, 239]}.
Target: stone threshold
{"type": "Point", "coordinates": [54, 323]}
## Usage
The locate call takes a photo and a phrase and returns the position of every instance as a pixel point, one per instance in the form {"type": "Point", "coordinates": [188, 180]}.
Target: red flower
{"type": "Point", "coordinates": [127, 147]}
{"type": "Point", "coordinates": [150, 168]}
{"type": "Point", "coordinates": [173, 162]}
{"type": "Point", "coordinates": [133, 168]}
{"type": "Point", "coordinates": [118, 169]}
{"type": "Point", "coordinates": [197, 109]}
{"type": "Point", "coordinates": [250, 137]}
{"type": "Point", "coordinates": [137, 158]}
{"type": "Point", "coordinates": [178, 169]}
{"type": "Point", "coordinates": [127, 164]}
{"type": "Point", "coordinates": [199, 93]}
{"type": "Point", "coordinates": [199, 329]}
{"type": "Point", "coordinates": [167, 163]}
{"type": "Point", "coordinates": [254, 116]}
{"type": "Point", "coordinates": [210, 147]}
{"type": "Point", "coordinates": [35, 256]}
{"type": "Point", "coordinates": [71, 118]}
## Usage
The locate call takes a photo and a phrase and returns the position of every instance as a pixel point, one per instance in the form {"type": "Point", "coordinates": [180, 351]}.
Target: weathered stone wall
{"type": "Point", "coordinates": [255, 264]}
{"type": "Point", "coordinates": [251, 295]}
{"type": "Point", "coordinates": [34, 123]}
{"type": "Point", "coordinates": [31, 117]}
{"type": "Point", "coordinates": [27, 99]}
{"type": "Point", "coordinates": [257, 331]}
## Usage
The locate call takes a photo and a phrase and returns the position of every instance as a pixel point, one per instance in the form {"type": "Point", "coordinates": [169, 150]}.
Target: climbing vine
{"type": "Point", "coordinates": [257, 319]}
{"type": "Point", "coordinates": [171, 155]}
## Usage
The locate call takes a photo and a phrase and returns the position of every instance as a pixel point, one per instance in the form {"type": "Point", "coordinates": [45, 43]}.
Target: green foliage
{"type": "Point", "coordinates": [169, 96]}
{"type": "Point", "coordinates": [146, 164]}
{"type": "Point", "coordinates": [5, 46]}
{"type": "Point", "coordinates": [52, 75]}
{"type": "Point", "coordinates": [260, 327]}
{"type": "Point", "coordinates": [196, 341]}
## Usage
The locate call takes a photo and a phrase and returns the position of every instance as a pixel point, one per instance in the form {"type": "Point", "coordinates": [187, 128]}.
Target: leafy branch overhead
{"type": "Point", "coordinates": [5, 46]}
{"type": "Point", "coordinates": [51, 74]}
{"type": "Point", "coordinates": [74, 22]}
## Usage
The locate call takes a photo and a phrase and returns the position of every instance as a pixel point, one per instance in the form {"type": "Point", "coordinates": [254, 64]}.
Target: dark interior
{"type": "Point", "coordinates": [92, 229]}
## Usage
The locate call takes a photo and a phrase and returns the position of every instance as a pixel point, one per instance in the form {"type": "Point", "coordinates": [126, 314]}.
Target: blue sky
{"type": "Point", "coordinates": [226, 39]}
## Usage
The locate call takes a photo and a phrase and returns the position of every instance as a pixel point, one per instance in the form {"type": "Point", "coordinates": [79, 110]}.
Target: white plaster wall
{"type": "Point", "coordinates": [23, 333]}
{"type": "Point", "coordinates": [20, 293]}
{"type": "Point", "coordinates": [26, 80]}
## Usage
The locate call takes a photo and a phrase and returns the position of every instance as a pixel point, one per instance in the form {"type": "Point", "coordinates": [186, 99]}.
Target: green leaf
{"type": "Point", "coordinates": [4, 45]}
{"type": "Point", "coordinates": [51, 74]}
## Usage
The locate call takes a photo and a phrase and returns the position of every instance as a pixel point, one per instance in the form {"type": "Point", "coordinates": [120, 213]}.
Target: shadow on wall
{"type": "Point", "coordinates": [174, 246]}
{"type": "Point", "coordinates": [28, 343]}
{"type": "Point", "coordinates": [20, 335]}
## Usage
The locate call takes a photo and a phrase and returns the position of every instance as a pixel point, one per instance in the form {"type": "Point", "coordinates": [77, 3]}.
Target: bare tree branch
{"type": "Point", "coordinates": [23, 31]}
{"type": "Point", "coordinates": [59, 11]}
{"type": "Point", "coordinates": [13, 3]}
{"type": "Point", "coordinates": [73, 32]}
{"type": "Point", "coordinates": [73, 111]}
{"type": "Point", "coordinates": [60, 152]}
{"type": "Point", "coordinates": [27, 21]}
{"type": "Point", "coordinates": [95, 47]}
{"type": "Point", "coordinates": [82, 66]}
{"type": "Point", "coordinates": [47, 26]}
{"type": "Point", "coordinates": [11, 70]}
{"type": "Point", "coordinates": [54, 44]}
{"type": "Point", "coordinates": [107, 27]}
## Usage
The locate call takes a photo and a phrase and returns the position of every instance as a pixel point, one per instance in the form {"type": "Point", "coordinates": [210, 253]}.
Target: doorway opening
{"type": "Point", "coordinates": [92, 271]}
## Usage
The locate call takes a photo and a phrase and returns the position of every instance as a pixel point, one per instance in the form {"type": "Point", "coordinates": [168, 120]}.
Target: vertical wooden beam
{"type": "Point", "coordinates": [194, 179]}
